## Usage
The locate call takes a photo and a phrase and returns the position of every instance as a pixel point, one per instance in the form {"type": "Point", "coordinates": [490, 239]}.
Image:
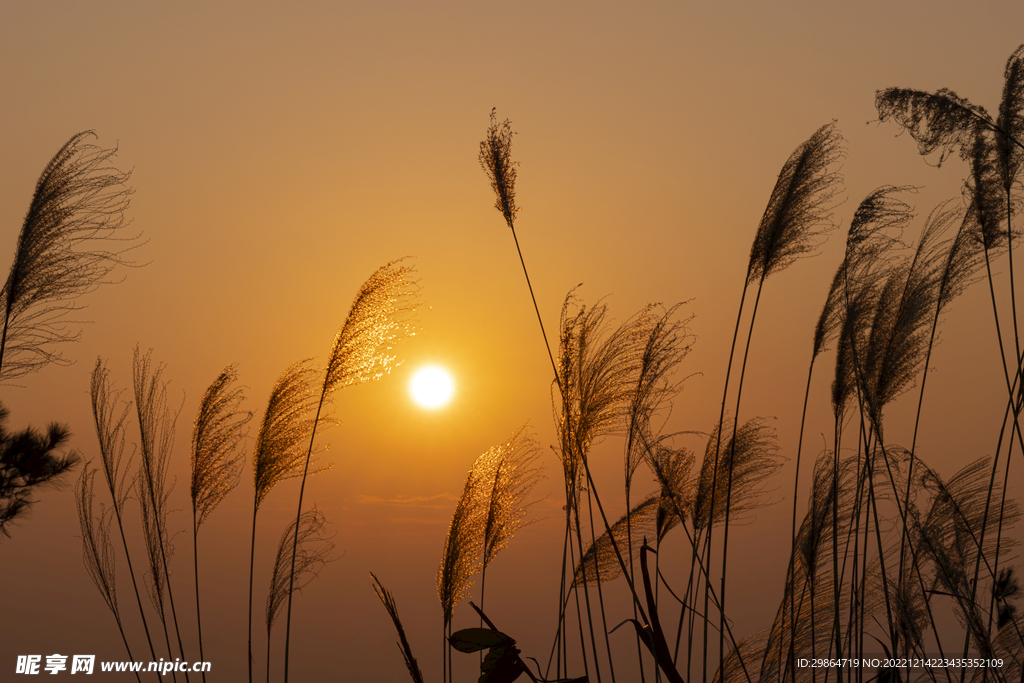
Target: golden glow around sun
{"type": "Point", "coordinates": [431, 387]}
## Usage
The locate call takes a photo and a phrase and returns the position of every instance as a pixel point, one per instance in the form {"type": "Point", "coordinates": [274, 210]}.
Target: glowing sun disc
{"type": "Point", "coordinates": [431, 387]}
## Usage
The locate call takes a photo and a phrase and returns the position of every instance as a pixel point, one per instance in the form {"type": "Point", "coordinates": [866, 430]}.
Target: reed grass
{"type": "Point", "coordinates": [280, 451]}
{"type": "Point", "coordinates": [156, 441]}
{"type": "Point", "coordinates": [74, 234]}
{"type": "Point", "coordinates": [216, 468]}
{"type": "Point", "coordinates": [363, 350]}
{"type": "Point", "coordinates": [302, 552]}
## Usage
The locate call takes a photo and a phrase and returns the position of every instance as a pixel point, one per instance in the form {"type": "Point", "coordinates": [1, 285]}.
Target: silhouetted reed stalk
{"type": "Point", "coordinates": [110, 431]}
{"type": "Point", "coordinates": [280, 447]}
{"type": "Point", "coordinates": [217, 432]}
{"type": "Point", "coordinates": [156, 430]}
{"type": "Point", "coordinates": [79, 200]}
{"type": "Point", "coordinates": [98, 550]}
{"type": "Point", "coordinates": [377, 321]}
{"type": "Point", "coordinates": [794, 222]}
{"type": "Point", "coordinates": [302, 552]}
{"type": "Point", "coordinates": [496, 160]}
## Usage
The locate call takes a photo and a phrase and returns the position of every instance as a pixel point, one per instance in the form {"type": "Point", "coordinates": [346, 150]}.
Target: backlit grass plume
{"type": "Point", "coordinates": [514, 474]}
{"type": "Point", "coordinates": [300, 557]}
{"type": "Point", "coordinates": [363, 350]}
{"type": "Point", "coordinates": [752, 457]}
{"type": "Point", "coordinates": [285, 429]}
{"type": "Point", "coordinates": [216, 467]}
{"type": "Point", "coordinates": [388, 600]}
{"type": "Point", "coordinates": [600, 563]}
{"type": "Point", "coordinates": [941, 121]}
{"type": "Point", "coordinates": [216, 434]}
{"type": "Point", "coordinates": [280, 446]}
{"type": "Point", "coordinates": [463, 546]}
{"type": "Point", "coordinates": [462, 556]}
{"type": "Point", "coordinates": [156, 437]}
{"type": "Point", "coordinates": [73, 235]}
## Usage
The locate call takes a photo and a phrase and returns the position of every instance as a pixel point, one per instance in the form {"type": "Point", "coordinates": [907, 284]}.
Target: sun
{"type": "Point", "coordinates": [431, 387]}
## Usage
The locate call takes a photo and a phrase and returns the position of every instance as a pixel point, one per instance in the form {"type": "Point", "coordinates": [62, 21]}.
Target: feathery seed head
{"type": "Point", "coordinates": [600, 563]}
{"type": "Point", "coordinates": [285, 430]}
{"type": "Point", "coordinates": [799, 212]}
{"type": "Point", "coordinates": [378, 320]}
{"type": "Point", "coordinates": [752, 456]}
{"type": "Point", "coordinates": [98, 551]}
{"type": "Point", "coordinates": [79, 200]}
{"type": "Point", "coordinates": [312, 551]}
{"type": "Point", "coordinates": [513, 472]}
{"type": "Point", "coordinates": [217, 431]}
{"type": "Point", "coordinates": [1011, 119]}
{"type": "Point", "coordinates": [496, 160]}
{"type": "Point", "coordinates": [937, 121]}
{"type": "Point", "coordinates": [111, 426]}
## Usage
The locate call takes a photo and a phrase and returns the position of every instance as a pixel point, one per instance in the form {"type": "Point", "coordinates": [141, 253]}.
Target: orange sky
{"type": "Point", "coordinates": [280, 155]}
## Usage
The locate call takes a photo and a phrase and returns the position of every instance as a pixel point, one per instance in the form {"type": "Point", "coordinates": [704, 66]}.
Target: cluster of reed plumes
{"type": "Point", "coordinates": [888, 554]}
{"type": "Point", "coordinates": [284, 446]}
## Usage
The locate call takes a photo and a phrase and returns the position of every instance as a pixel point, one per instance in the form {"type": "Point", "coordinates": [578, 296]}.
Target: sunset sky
{"type": "Point", "coordinates": [281, 154]}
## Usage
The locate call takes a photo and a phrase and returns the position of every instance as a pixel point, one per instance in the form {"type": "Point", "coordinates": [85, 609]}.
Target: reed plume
{"type": "Point", "coordinates": [496, 160]}
{"type": "Point", "coordinates": [752, 457]}
{"type": "Point", "coordinates": [284, 431]}
{"type": "Point", "coordinates": [27, 461]}
{"type": "Point", "coordinates": [900, 328]}
{"type": "Point", "coordinates": [98, 551]}
{"type": "Point", "coordinates": [941, 121]}
{"type": "Point", "coordinates": [216, 433]}
{"type": "Point", "coordinates": [280, 450]}
{"type": "Point", "coordinates": [794, 223]}
{"type": "Point", "coordinates": [462, 556]}
{"type": "Point", "coordinates": [800, 208]}
{"type": "Point", "coordinates": [73, 236]}
{"type": "Point", "coordinates": [667, 344]}
{"type": "Point", "coordinates": [514, 474]}
{"type": "Point", "coordinates": [599, 368]}
{"type": "Point", "coordinates": [156, 431]}
{"type": "Point", "coordinates": [111, 424]}
{"type": "Point", "coordinates": [380, 318]}
{"type": "Point", "coordinates": [388, 600]}
{"type": "Point", "coordinates": [1010, 120]}
{"type": "Point", "coordinates": [300, 557]}
{"type": "Point", "coordinates": [673, 470]}
{"type": "Point", "coordinates": [599, 562]}
{"type": "Point", "coordinates": [463, 546]}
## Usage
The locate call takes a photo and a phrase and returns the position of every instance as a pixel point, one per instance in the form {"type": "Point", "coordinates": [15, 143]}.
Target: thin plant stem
{"type": "Point", "coordinates": [295, 542]}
